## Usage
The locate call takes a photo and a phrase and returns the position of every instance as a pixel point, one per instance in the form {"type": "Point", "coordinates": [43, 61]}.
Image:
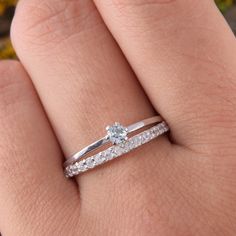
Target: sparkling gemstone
{"type": "Point", "coordinates": [109, 156]}
{"type": "Point", "coordinates": [68, 171]}
{"type": "Point", "coordinates": [139, 140]}
{"type": "Point", "coordinates": [117, 133]}
{"type": "Point", "coordinates": [146, 136]}
{"type": "Point", "coordinates": [90, 162]}
{"type": "Point", "coordinates": [74, 168]}
{"type": "Point", "coordinates": [82, 166]}
{"type": "Point", "coordinates": [131, 144]}
{"type": "Point", "coordinates": [118, 150]}
{"type": "Point", "coordinates": [127, 147]}
{"type": "Point", "coordinates": [99, 158]}
{"type": "Point", "coordinates": [152, 133]}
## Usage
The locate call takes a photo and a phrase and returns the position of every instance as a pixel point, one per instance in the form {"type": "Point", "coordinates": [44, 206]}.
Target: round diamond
{"type": "Point", "coordinates": [118, 150]}
{"type": "Point", "coordinates": [68, 171]}
{"type": "Point", "coordinates": [138, 140]}
{"type": "Point", "coordinates": [117, 133]}
{"type": "Point", "coordinates": [90, 162]}
{"type": "Point", "coordinates": [99, 158]}
{"type": "Point", "coordinates": [74, 168]}
{"type": "Point", "coordinates": [127, 147]}
{"type": "Point", "coordinates": [82, 166]}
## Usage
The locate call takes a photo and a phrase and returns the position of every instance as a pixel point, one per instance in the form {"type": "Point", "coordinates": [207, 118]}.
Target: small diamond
{"type": "Point", "coordinates": [82, 166]}
{"type": "Point", "coordinates": [147, 136]}
{"type": "Point", "coordinates": [118, 150]}
{"type": "Point", "coordinates": [114, 152]}
{"type": "Point", "coordinates": [117, 133]}
{"type": "Point", "coordinates": [154, 131]}
{"type": "Point", "coordinates": [68, 172]}
{"type": "Point", "coordinates": [139, 140]}
{"type": "Point", "coordinates": [99, 158]}
{"type": "Point", "coordinates": [90, 162]}
{"type": "Point", "coordinates": [131, 144]}
{"type": "Point", "coordinates": [143, 138]}
{"type": "Point", "coordinates": [127, 147]}
{"type": "Point", "coordinates": [158, 131]}
{"type": "Point", "coordinates": [152, 134]}
{"type": "Point", "coordinates": [108, 154]}
{"type": "Point", "coordinates": [74, 168]}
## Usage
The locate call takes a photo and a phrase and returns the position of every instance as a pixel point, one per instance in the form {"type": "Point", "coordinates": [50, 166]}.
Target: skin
{"type": "Point", "coordinates": [84, 65]}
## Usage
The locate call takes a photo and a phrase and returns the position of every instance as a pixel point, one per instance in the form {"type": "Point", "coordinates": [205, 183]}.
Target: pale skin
{"type": "Point", "coordinates": [83, 67]}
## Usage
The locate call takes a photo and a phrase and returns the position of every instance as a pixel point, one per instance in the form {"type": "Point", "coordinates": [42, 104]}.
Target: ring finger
{"type": "Point", "coordinates": [83, 81]}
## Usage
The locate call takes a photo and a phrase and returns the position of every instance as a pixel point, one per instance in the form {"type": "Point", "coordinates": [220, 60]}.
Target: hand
{"type": "Point", "coordinates": [82, 74]}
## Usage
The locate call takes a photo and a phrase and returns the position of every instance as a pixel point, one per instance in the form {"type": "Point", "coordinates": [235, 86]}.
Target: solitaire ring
{"type": "Point", "coordinates": [117, 135]}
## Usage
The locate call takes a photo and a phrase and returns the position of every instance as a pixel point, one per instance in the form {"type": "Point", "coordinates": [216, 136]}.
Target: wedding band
{"type": "Point", "coordinates": [117, 134]}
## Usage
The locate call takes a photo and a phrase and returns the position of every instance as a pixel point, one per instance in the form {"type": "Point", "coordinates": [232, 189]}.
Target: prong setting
{"type": "Point", "coordinates": [117, 133]}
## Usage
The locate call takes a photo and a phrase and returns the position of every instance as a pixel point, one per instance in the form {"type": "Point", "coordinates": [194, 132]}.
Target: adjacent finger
{"type": "Point", "coordinates": [35, 198]}
{"type": "Point", "coordinates": [183, 53]}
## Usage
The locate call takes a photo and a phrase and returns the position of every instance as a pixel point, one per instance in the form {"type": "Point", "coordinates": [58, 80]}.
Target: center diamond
{"type": "Point", "coordinates": [117, 133]}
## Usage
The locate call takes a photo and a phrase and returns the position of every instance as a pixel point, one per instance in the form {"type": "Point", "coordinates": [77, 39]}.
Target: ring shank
{"type": "Point", "coordinates": [143, 123]}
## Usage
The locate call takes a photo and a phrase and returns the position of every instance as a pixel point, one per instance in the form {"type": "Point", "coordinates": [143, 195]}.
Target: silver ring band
{"type": "Point", "coordinates": [126, 130]}
{"type": "Point", "coordinates": [118, 149]}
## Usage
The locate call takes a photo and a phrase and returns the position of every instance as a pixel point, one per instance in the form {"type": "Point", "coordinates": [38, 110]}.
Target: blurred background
{"type": "Point", "coordinates": [7, 7]}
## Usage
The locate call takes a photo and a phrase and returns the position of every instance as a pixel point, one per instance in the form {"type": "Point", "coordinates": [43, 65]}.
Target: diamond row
{"type": "Point", "coordinates": [116, 150]}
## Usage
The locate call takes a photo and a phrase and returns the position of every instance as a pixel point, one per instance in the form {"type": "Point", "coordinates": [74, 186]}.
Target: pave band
{"type": "Point", "coordinates": [116, 150]}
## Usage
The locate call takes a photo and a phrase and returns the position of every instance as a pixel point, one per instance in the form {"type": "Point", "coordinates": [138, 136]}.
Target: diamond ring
{"type": "Point", "coordinates": [117, 135]}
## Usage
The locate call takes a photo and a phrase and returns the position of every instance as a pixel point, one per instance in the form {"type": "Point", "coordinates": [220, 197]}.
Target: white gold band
{"type": "Point", "coordinates": [116, 150]}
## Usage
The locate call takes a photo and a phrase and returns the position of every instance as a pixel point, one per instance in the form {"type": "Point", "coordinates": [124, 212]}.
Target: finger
{"type": "Point", "coordinates": [81, 67]}
{"type": "Point", "coordinates": [84, 83]}
{"type": "Point", "coordinates": [184, 56]}
{"type": "Point", "coordinates": [35, 199]}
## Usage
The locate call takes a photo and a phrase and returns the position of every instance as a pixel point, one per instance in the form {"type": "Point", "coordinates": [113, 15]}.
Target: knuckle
{"type": "Point", "coordinates": [156, 14]}
{"type": "Point", "coordinates": [39, 23]}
